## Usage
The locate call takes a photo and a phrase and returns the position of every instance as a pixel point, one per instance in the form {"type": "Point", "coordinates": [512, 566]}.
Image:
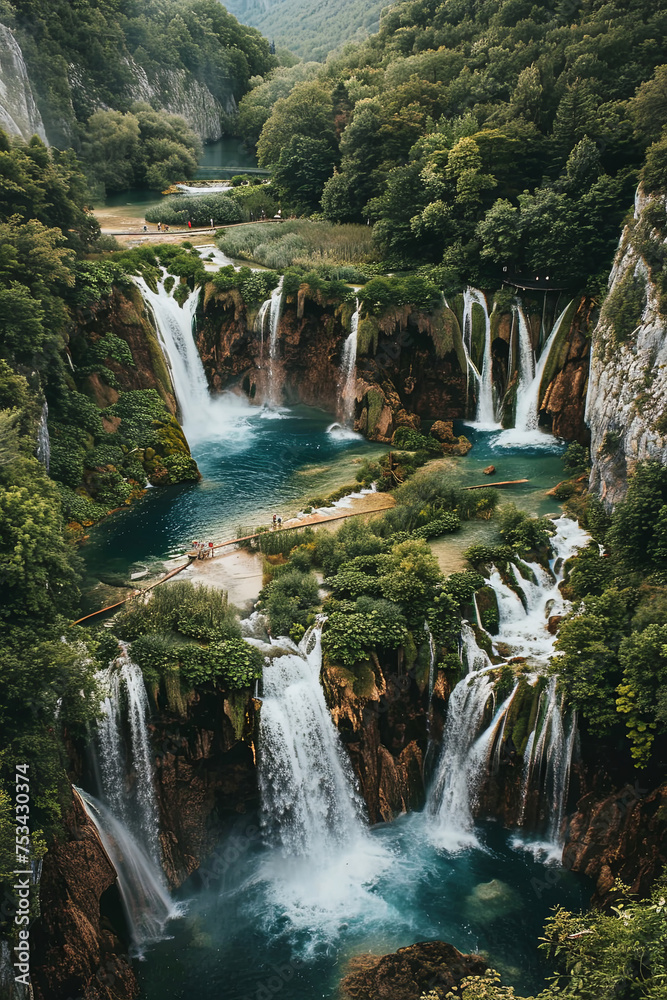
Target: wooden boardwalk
{"type": "Point", "coordinates": [312, 519]}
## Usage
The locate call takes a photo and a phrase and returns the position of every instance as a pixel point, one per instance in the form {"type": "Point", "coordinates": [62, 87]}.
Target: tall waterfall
{"type": "Point", "coordinates": [127, 819]}
{"type": "Point", "coordinates": [471, 742]}
{"type": "Point", "coordinates": [204, 417]}
{"type": "Point", "coordinates": [126, 698]}
{"type": "Point", "coordinates": [485, 415]}
{"type": "Point", "coordinates": [528, 389]}
{"type": "Point", "coordinates": [271, 309]}
{"type": "Point", "coordinates": [348, 374]}
{"type": "Point", "coordinates": [43, 439]}
{"type": "Point", "coordinates": [308, 796]}
{"type": "Point", "coordinates": [464, 758]}
{"type": "Point", "coordinates": [148, 905]}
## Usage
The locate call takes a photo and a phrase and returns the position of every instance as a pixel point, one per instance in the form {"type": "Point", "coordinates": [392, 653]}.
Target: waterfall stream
{"type": "Point", "coordinates": [127, 819]}
{"type": "Point", "coordinates": [348, 374]}
{"type": "Point", "coordinates": [526, 424]}
{"type": "Point", "coordinates": [485, 415]}
{"type": "Point", "coordinates": [308, 795]}
{"type": "Point", "coordinates": [148, 905]}
{"type": "Point", "coordinates": [469, 745]}
{"type": "Point", "coordinates": [43, 440]}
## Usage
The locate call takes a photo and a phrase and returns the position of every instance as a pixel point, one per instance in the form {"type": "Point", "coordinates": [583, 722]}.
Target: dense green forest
{"type": "Point", "coordinates": [81, 56]}
{"type": "Point", "coordinates": [311, 29]}
{"type": "Point", "coordinates": [482, 138]}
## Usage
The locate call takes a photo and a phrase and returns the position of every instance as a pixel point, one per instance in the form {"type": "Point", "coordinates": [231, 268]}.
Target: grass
{"type": "Point", "coordinates": [299, 242]}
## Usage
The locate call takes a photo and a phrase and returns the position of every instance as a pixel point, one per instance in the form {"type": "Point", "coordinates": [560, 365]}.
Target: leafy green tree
{"type": "Point", "coordinates": [307, 111]}
{"type": "Point", "coordinates": [304, 166]}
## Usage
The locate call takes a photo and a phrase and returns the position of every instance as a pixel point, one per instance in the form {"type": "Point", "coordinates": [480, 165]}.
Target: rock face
{"type": "Point", "coordinates": [622, 836]}
{"type": "Point", "coordinates": [178, 92]}
{"type": "Point", "coordinates": [19, 115]}
{"type": "Point", "coordinates": [410, 972]}
{"type": "Point", "coordinates": [79, 943]}
{"type": "Point", "coordinates": [564, 384]}
{"type": "Point", "coordinates": [381, 711]}
{"type": "Point", "coordinates": [627, 399]}
{"type": "Point", "coordinates": [205, 775]}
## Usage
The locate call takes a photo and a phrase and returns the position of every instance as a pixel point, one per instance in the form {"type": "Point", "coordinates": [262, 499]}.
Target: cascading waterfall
{"type": "Point", "coordinates": [485, 415]}
{"type": "Point", "coordinates": [145, 896]}
{"type": "Point", "coordinates": [203, 417]}
{"type": "Point", "coordinates": [308, 796]}
{"type": "Point", "coordinates": [127, 819]}
{"type": "Point", "coordinates": [530, 380]}
{"type": "Point", "coordinates": [124, 684]}
{"type": "Point", "coordinates": [324, 862]}
{"type": "Point", "coordinates": [464, 759]}
{"type": "Point", "coordinates": [275, 312]}
{"type": "Point", "coordinates": [348, 374]}
{"type": "Point", "coordinates": [43, 439]}
{"type": "Point", "coordinates": [526, 362]}
{"type": "Point", "coordinates": [468, 750]}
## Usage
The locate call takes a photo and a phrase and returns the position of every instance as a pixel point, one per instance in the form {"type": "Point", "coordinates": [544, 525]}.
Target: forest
{"type": "Point", "coordinates": [482, 139]}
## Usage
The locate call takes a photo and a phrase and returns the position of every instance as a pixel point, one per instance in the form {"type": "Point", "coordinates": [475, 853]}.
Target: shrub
{"type": "Point", "coordinates": [198, 209]}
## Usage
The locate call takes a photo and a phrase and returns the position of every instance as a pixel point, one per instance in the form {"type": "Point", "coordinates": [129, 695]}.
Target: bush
{"type": "Point", "coordinates": [523, 531]}
{"type": "Point", "coordinates": [197, 209]}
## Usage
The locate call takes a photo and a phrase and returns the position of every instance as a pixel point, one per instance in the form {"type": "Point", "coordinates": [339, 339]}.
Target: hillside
{"type": "Point", "coordinates": [311, 29]}
{"type": "Point", "coordinates": [487, 139]}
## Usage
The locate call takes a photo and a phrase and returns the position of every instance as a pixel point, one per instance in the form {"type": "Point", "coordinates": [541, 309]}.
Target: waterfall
{"type": "Point", "coordinates": [203, 417]}
{"type": "Point", "coordinates": [124, 686]}
{"type": "Point", "coordinates": [142, 887]}
{"type": "Point", "coordinates": [464, 757]}
{"type": "Point", "coordinates": [309, 801]}
{"type": "Point", "coordinates": [526, 368]}
{"type": "Point", "coordinates": [472, 657]}
{"type": "Point", "coordinates": [432, 656]}
{"type": "Point", "coordinates": [485, 416]}
{"type": "Point", "coordinates": [469, 751]}
{"type": "Point", "coordinates": [275, 311]}
{"type": "Point", "coordinates": [348, 374]}
{"type": "Point", "coordinates": [528, 390]}
{"type": "Point", "coordinates": [43, 439]}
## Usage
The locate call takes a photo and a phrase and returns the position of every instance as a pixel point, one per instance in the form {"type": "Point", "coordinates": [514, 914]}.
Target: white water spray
{"type": "Point", "coordinates": [43, 439]}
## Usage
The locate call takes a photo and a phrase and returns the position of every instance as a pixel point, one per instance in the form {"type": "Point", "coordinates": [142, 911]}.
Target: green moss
{"type": "Point", "coordinates": [368, 333]}
{"type": "Point", "coordinates": [375, 405]}
{"type": "Point", "coordinates": [363, 683]}
{"type": "Point", "coordinates": [235, 706]}
{"type": "Point", "coordinates": [559, 349]}
{"type": "Point", "coordinates": [487, 606]}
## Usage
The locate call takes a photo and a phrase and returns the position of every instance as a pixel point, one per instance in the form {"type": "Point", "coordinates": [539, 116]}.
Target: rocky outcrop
{"type": "Point", "coordinates": [627, 398]}
{"type": "Point", "coordinates": [382, 715]}
{"type": "Point", "coordinates": [205, 775]}
{"type": "Point", "coordinates": [79, 943]}
{"type": "Point", "coordinates": [564, 384]}
{"type": "Point", "coordinates": [411, 972]}
{"type": "Point", "coordinates": [123, 314]}
{"type": "Point", "coordinates": [19, 114]}
{"type": "Point", "coordinates": [178, 92]}
{"type": "Point", "coordinates": [622, 836]}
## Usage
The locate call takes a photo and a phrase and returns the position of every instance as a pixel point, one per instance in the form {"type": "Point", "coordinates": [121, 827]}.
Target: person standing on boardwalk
{"type": "Point", "coordinates": [189, 224]}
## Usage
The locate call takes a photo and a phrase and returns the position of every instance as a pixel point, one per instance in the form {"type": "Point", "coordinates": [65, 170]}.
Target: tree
{"type": "Point", "coordinates": [302, 170]}
{"type": "Point", "coordinates": [111, 148]}
{"type": "Point", "coordinates": [649, 106]}
{"type": "Point", "coordinates": [307, 111]}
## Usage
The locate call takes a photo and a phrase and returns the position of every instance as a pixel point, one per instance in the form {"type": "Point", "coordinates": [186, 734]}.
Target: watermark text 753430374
{"type": "Point", "coordinates": [23, 873]}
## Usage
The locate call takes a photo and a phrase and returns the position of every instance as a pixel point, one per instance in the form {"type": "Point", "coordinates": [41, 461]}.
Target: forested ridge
{"type": "Point", "coordinates": [310, 29]}
{"type": "Point", "coordinates": [85, 56]}
{"type": "Point", "coordinates": [476, 136]}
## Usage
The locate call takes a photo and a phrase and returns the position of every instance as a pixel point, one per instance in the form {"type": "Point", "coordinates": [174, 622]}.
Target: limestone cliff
{"type": "Point", "coordinates": [80, 941]}
{"type": "Point", "coordinates": [382, 714]}
{"type": "Point", "coordinates": [627, 399]}
{"type": "Point", "coordinates": [19, 114]}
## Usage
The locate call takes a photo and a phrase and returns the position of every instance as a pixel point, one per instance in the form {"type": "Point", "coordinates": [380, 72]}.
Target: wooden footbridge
{"type": "Point", "coordinates": [311, 519]}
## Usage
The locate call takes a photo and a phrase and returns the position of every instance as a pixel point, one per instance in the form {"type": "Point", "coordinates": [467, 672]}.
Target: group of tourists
{"type": "Point", "coordinates": [203, 550]}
